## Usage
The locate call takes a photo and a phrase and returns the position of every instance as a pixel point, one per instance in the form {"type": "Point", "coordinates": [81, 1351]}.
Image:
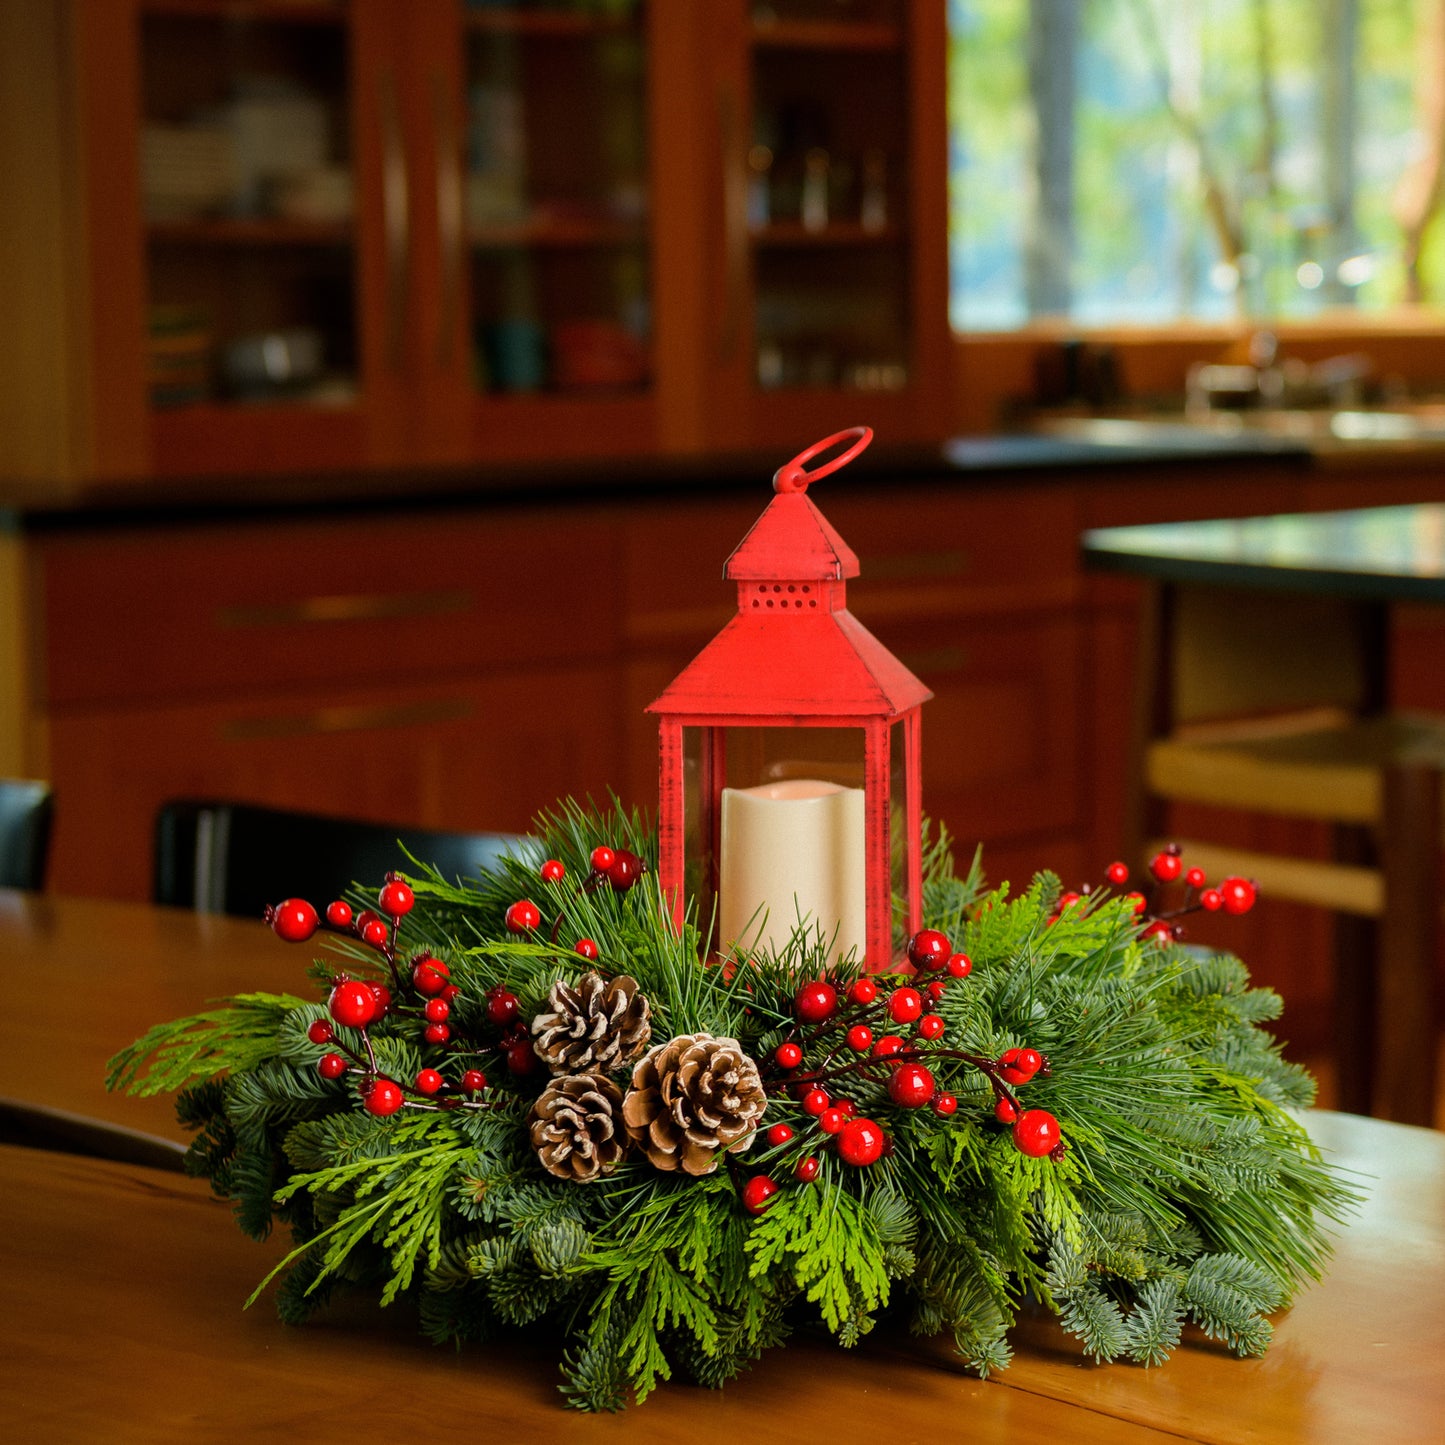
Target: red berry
{"type": "Point", "coordinates": [1195, 878]}
{"type": "Point", "coordinates": [320, 1032]}
{"type": "Point", "coordinates": [910, 1086]}
{"type": "Point", "coordinates": [1117, 874]}
{"type": "Point", "coordinates": [905, 1005]}
{"type": "Point", "coordinates": [1238, 894]}
{"type": "Point", "coordinates": [862, 991]}
{"type": "Point", "coordinates": [586, 948]}
{"type": "Point", "coordinates": [1004, 1110]}
{"type": "Point", "coordinates": [338, 914]}
{"type": "Point", "coordinates": [860, 1143]}
{"type": "Point", "coordinates": [351, 1003]}
{"type": "Point", "coordinates": [931, 1027]}
{"type": "Point", "coordinates": [1211, 900]}
{"type": "Point", "coordinates": [553, 870]}
{"type": "Point", "coordinates": [602, 858]}
{"type": "Point", "coordinates": [960, 965]}
{"type": "Point", "coordinates": [473, 1081]}
{"type": "Point", "coordinates": [1036, 1133]}
{"type": "Point", "coordinates": [375, 933]}
{"type": "Point", "coordinates": [815, 1101]}
{"type": "Point", "coordinates": [887, 1046]}
{"type": "Point", "coordinates": [363, 918]}
{"type": "Point", "coordinates": [757, 1192]}
{"type": "Point", "coordinates": [523, 916]}
{"type": "Point", "coordinates": [624, 870]}
{"type": "Point", "coordinates": [1159, 930]}
{"type": "Point", "coordinates": [788, 1056]}
{"type": "Point", "coordinates": [437, 1033]}
{"type": "Point", "coordinates": [383, 1097]}
{"type": "Point", "coordinates": [502, 1005]}
{"type": "Point", "coordinates": [331, 1066]}
{"type": "Point", "coordinates": [1018, 1066]}
{"type": "Point", "coordinates": [860, 1038]}
{"type": "Point", "coordinates": [1137, 901]}
{"type": "Point", "coordinates": [450, 992]}
{"type": "Point", "coordinates": [1166, 866]}
{"type": "Point", "coordinates": [437, 1010]}
{"type": "Point", "coordinates": [429, 976]}
{"type": "Point", "coordinates": [779, 1134]}
{"type": "Point", "coordinates": [832, 1119]}
{"type": "Point", "coordinates": [520, 1056]}
{"type": "Point", "coordinates": [380, 1001]}
{"type": "Point", "coordinates": [935, 991]}
{"type": "Point", "coordinates": [944, 1104]}
{"type": "Point", "coordinates": [846, 1107]}
{"type": "Point", "coordinates": [929, 949]}
{"type": "Point", "coordinates": [429, 1082]}
{"type": "Point", "coordinates": [806, 1170]}
{"type": "Point", "coordinates": [294, 920]}
{"type": "Point", "coordinates": [396, 898]}
{"type": "Point", "coordinates": [1066, 900]}
{"type": "Point", "coordinates": [816, 1001]}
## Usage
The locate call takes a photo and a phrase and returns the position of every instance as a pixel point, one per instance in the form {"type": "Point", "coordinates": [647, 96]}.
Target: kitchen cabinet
{"type": "Point", "coordinates": [321, 234]}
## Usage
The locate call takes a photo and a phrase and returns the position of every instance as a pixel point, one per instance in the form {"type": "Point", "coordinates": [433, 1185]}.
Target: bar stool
{"type": "Point", "coordinates": [1273, 704]}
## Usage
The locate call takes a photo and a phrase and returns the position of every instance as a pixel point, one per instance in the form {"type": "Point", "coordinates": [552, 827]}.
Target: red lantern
{"type": "Point", "coordinates": [789, 746]}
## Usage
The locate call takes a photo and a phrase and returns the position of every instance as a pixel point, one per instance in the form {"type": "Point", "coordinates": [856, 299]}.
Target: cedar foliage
{"type": "Point", "coordinates": [1188, 1193]}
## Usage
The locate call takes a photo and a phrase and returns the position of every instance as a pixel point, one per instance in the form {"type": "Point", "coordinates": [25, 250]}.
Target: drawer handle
{"type": "Point", "coordinates": [346, 720]}
{"type": "Point", "coordinates": [347, 607]}
{"type": "Point", "coordinates": [935, 661]}
{"type": "Point", "coordinates": [904, 565]}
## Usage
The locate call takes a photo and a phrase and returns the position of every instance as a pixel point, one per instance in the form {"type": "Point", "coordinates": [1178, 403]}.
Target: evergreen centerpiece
{"type": "Point", "coordinates": [534, 1099]}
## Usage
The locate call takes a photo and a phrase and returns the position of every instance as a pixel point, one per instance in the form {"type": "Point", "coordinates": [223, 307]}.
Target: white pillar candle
{"type": "Point", "coordinates": [790, 848]}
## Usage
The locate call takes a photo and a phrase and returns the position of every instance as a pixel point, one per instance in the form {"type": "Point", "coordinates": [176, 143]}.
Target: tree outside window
{"type": "Point", "coordinates": [1137, 161]}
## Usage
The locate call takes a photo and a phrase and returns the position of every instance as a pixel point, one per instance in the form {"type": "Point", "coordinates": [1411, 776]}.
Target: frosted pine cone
{"type": "Point", "coordinates": [692, 1099]}
{"type": "Point", "coordinates": [592, 1028]}
{"type": "Point", "coordinates": [576, 1129]}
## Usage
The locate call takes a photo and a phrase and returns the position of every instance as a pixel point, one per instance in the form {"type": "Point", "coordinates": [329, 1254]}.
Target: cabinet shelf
{"type": "Point", "coordinates": [787, 234]}
{"type": "Point", "coordinates": [567, 234]}
{"type": "Point", "coordinates": [238, 232]}
{"type": "Point", "coordinates": [826, 35]}
{"type": "Point", "coordinates": [297, 12]}
{"type": "Point", "coordinates": [559, 24]}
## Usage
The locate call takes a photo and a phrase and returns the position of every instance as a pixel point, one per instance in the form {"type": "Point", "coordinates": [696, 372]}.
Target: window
{"type": "Point", "coordinates": [1138, 161]}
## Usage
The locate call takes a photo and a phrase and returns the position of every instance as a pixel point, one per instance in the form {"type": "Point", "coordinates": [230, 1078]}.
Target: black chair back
{"type": "Point", "coordinates": [221, 857]}
{"type": "Point", "coordinates": [25, 809]}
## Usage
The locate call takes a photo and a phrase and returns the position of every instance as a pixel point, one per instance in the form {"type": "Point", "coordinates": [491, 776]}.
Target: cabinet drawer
{"type": "Point", "coordinates": [213, 612]}
{"type": "Point", "coordinates": [483, 754]}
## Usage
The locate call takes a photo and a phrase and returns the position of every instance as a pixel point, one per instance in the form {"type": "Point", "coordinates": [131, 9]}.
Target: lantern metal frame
{"type": "Point", "coordinates": [794, 657]}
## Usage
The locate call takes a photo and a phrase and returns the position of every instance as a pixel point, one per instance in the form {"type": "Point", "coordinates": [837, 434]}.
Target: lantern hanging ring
{"type": "Point", "coordinates": [794, 476]}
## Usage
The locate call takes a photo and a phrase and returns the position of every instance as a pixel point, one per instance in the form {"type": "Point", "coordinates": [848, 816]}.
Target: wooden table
{"type": "Point", "coordinates": [1348, 569]}
{"type": "Point", "coordinates": [122, 1286]}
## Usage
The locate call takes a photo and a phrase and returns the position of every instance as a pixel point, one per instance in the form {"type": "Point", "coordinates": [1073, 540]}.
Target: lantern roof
{"type": "Point", "coordinates": [794, 650]}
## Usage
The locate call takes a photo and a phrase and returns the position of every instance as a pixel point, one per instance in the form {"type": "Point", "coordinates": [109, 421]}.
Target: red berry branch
{"type": "Point", "coordinates": [1232, 895]}
{"type": "Point", "coordinates": [845, 1025]}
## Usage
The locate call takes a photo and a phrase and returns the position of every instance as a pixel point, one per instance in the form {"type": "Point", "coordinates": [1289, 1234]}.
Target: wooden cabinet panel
{"type": "Point", "coordinates": [481, 754]}
{"type": "Point", "coordinates": [1001, 735]}
{"type": "Point", "coordinates": [212, 612]}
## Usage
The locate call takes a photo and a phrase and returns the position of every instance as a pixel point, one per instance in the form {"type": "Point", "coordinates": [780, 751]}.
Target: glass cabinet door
{"type": "Point", "coordinates": [827, 193]}
{"type": "Point", "coordinates": [247, 186]}
{"type": "Point", "coordinates": [555, 198]}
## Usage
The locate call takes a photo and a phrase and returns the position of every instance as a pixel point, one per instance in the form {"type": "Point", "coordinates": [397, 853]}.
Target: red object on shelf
{"type": "Point", "coordinates": [795, 657]}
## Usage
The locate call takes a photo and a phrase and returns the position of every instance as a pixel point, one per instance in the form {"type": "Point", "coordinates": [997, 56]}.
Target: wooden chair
{"type": "Point", "coordinates": [25, 811]}
{"type": "Point", "coordinates": [1274, 704]}
{"type": "Point", "coordinates": [225, 857]}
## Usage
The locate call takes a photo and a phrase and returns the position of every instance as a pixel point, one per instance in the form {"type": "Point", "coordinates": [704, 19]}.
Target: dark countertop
{"type": "Point", "coordinates": [1392, 554]}
{"type": "Point", "coordinates": [981, 460]}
